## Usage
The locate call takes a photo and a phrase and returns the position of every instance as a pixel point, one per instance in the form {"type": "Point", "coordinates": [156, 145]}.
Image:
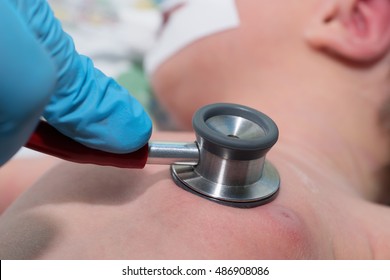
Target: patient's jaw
{"type": "Point", "coordinates": [237, 62]}
{"type": "Point", "coordinates": [272, 52]}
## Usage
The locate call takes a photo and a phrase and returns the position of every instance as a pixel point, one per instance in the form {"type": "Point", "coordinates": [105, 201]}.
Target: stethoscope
{"type": "Point", "coordinates": [226, 164]}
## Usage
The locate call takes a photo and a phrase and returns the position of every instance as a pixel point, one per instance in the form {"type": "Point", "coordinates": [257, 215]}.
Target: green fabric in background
{"type": "Point", "coordinates": [135, 81]}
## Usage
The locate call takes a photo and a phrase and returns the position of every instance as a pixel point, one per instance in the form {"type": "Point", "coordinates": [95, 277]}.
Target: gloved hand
{"type": "Point", "coordinates": [42, 74]}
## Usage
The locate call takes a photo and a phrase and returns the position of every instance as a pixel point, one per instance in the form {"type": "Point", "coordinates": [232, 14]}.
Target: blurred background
{"type": "Point", "coordinates": [116, 34]}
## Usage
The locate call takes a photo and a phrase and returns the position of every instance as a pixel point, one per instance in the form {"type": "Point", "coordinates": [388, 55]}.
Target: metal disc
{"type": "Point", "coordinates": [247, 196]}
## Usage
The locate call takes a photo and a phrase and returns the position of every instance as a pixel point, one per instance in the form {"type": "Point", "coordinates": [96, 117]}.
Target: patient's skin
{"type": "Point", "coordinates": [322, 75]}
{"type": "Point", "coordinates": [91, 212]}
{"type": "Point", "coordinates": [19, 174]}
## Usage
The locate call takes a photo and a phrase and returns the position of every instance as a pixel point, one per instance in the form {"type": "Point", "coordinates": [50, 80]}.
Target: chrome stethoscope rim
{"type": "Point", "coordinates": [233, 141]}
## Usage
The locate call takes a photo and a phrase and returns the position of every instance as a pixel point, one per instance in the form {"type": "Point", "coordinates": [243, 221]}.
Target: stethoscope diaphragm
{"type": "Point", "coordinates": [233, 141]}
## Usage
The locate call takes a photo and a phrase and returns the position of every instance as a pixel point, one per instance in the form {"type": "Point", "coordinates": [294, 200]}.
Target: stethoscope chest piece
{"type": "Point", "coordinates": [233, 141]}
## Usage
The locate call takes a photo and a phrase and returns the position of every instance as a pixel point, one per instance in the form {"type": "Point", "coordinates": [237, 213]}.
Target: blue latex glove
{"type": "Point", "coordinates": [42, 74]}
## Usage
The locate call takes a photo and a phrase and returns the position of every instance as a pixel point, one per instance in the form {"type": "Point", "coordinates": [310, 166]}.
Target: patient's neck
{"type": "Point", "coordinates": [335, 121]}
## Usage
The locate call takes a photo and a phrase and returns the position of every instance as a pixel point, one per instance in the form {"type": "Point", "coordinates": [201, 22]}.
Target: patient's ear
{"type": "Point", "coordinates": [358, 30]}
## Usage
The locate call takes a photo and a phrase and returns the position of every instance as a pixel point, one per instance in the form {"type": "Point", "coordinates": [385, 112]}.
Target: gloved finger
{"type": "Point", "coordinates": [86, 105]}
{"type": "Point", "coordinates": [26, 81]}
{"type": "Point", "coordinates": [101, 115]}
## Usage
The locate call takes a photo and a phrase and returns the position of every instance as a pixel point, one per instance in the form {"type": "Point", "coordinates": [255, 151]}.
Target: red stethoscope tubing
{"type": "Point", "coordinates": [46, 139]}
